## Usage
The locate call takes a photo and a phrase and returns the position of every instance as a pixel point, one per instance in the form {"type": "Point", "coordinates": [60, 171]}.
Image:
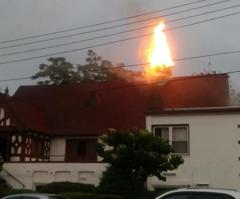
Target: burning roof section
{"type": "Point", "coordinates": [90, 109]}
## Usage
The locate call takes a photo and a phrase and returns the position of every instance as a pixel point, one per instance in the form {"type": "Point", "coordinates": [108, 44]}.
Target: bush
{"type": "Point", "coordinates": [60, 187]}
{"type": "Point", "coordinates": [19, 191]}
{"type": "Point", "coordinates": [113, 182]}
{"type": "Point", "coordinates": [4, 191]}
{"type": "Point", "coordinates": [89, 196]}
{"type": "Point", "coordinates": [4, 187]}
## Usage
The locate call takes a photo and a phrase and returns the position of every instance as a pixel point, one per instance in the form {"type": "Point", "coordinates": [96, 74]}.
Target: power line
{"type": "Point", "coordinates": [15, 79]}
{"type": "Point", "coordinates": [117, 33]}
{"type": "Point", "coordinates": [104, 22]}
{"type": "Point", "coordinates": [114, 42]}
{"type": "Point", "coordinates": [147, 63]}
{"type": "Point", "coordinates": [110, 27]}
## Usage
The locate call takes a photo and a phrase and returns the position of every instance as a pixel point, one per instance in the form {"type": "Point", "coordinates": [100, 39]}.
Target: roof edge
{"type": "Point", "coordinates": [225, 109]}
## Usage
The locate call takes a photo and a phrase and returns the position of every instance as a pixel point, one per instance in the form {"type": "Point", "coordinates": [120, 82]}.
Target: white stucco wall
{"type": "Point", "coordinates": [32, 174]}
{"type": "Point", "coordinates": [214, 150]}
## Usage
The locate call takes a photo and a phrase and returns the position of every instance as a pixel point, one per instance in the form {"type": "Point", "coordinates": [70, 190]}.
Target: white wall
{"type": "Point", "coordinates": [214, 157]}
{"type": "Point", "coordinates": [32, 174]}
{"type": "Point", "coordinates": [214, 150]}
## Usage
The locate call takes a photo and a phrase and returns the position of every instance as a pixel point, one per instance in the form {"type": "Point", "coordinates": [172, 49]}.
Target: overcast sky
{"type": "Point", "coordinates": [31, 17]}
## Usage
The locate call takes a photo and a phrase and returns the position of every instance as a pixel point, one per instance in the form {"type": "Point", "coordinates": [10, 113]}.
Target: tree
{"type": "Point", "coordinates": [96, 69]}
{"type": "Point", "coordinates": [59, 71]}
{"type": "Point", "coordinates": [133, 156]}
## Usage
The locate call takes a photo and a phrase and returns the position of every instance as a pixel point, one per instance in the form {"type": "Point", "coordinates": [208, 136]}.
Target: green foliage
{"type": "Point", "coordinates": [133, 156]}
{"type": "Point", "coordinates": [19, 191]}
{"type": "Point", "coordinates": [4, 187]}
{"type": "Point", "coordinates": [4, 191]}
{"type": "Point", "coordinates": [89, 196]}
{"type": "Point", "coordinates": [59, 71]}
{"type": "Point", "coordinates": [3, 183]}
{"type": "Point", "coordinates": [59, 187]}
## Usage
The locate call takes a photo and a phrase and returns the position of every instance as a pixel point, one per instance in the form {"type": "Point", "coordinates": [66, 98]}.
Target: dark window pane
{"type": "Point", "coordinates": [180, 146]}
{"type": "Point", "coordinates": [162, 132]}
{"type": "Point", "coordinates": [81, 149]}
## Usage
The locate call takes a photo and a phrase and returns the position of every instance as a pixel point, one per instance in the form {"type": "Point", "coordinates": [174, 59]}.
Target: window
{"type": "Point", "coordinates": [81, 150]}
{"type": "Point", "coordinates": [177, 136]}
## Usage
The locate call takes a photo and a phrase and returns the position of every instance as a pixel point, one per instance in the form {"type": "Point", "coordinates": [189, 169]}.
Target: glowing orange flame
{"type": "Point", "coordinates": [159, 54]}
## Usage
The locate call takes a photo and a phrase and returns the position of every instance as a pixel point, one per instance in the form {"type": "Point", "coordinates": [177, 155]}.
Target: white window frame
{"type": "Point", "coordinates": [170, 136]}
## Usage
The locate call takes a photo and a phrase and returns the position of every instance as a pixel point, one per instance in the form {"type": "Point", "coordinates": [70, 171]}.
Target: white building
{"type": "Point", "coordinates": [209, 141]}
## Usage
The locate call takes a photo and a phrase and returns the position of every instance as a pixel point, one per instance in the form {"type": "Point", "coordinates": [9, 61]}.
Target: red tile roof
{"type": "Point", "coordinates": [88, 109]}
{"type": "Point", "coordinates": [28, 116]}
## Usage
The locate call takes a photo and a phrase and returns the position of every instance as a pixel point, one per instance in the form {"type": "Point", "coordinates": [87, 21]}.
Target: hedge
{"type": "Point", "coordinates": [20, 191]}
{"type": "Point", "coordinates": [89, 196]}
{"type": "Point", "coordinates": [59, 187]}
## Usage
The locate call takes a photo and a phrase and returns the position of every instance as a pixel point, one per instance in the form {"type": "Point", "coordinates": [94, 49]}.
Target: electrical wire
{"type": "Point", "coordinates": [117, 33]}
{"type": "Point", "coordinates": [110, 27]}
{"type": "Point", "coordinates": [114, 42]}
{"type": "Point", "coordinates": [147, 63]}
{"type": "Point", "coordinates": [104, 22]}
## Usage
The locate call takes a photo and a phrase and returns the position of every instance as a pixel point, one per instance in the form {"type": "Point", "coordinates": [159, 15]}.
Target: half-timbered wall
{"type": "Point", "coordinates": [5, 120]}
{"type": "Point", "coordinates": [23, 146]}
{"type": "Point", "coordinates": [29, 148]}
{"type": "Point", "coordinates": [16, 148]}
{"type": "Point", "coordinates": [37, 148]}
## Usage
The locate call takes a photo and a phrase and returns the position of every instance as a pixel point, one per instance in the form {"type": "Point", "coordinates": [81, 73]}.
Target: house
{"type": "Point", "coordinates": [48, 133]}
{"type": "Point", "coordinates": [209, 141]}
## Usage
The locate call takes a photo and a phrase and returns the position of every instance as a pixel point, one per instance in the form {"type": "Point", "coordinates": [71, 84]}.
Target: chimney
{"type": "Point", "coordinates": [6, 91]}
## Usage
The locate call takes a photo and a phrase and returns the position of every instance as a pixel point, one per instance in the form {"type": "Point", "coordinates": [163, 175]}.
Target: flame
{"type": "Point", "coordinates": [159, 54]}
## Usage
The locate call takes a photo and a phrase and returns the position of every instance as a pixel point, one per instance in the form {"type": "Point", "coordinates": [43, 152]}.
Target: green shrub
{"type": "Point", "coordinates": [89, 196]}
{"type": "Point", "coordinates": [4, 191]}
{"type": "Point", "coordinates": [3, 182]}
{"type": "Point", "coordinates": [117, 183]}
{"type": "Point", "coordinates": [19, 191]}
{"type": "Point", "coordinates": [4, 187]}
{"type": "Point", "coordinates": [59, 187]}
